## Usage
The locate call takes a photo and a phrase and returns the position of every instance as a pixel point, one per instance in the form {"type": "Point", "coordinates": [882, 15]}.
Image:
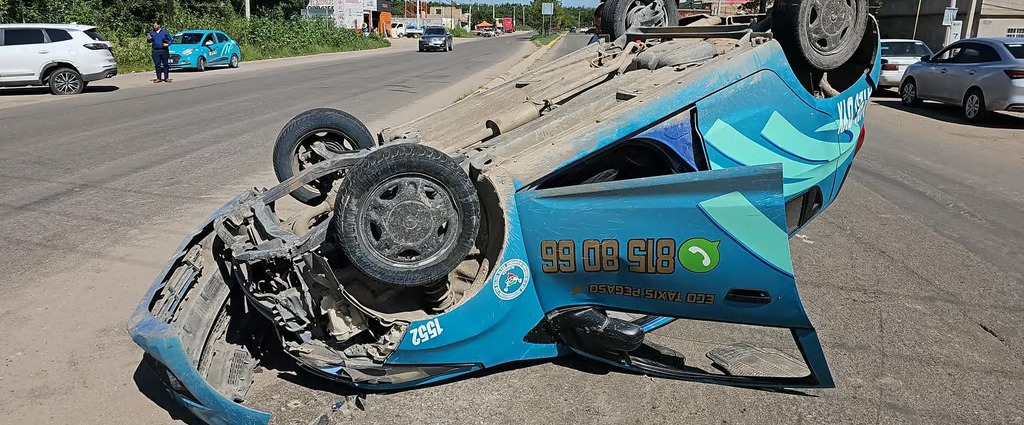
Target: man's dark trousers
{"type": "Point", "coordinates": [160, 58]}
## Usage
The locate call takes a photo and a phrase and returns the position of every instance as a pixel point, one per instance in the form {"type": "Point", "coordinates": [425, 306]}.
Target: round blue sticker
{"type": "Point", "coordinates": [510, 279]}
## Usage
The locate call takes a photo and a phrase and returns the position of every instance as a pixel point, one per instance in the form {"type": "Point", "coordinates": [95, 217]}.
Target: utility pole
{"type": "Point", "coordinates": [493, 19]}
{"type": "Point", "coordinates": [916, 18]}
{"type": "Point", "coordinates": [247, 9]}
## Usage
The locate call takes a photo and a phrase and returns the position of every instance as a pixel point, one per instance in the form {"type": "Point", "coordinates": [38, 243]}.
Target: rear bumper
{"type": "Point", "coordinates": [106, 73]}
{"type": "Point", "coordinates": [889, 78]}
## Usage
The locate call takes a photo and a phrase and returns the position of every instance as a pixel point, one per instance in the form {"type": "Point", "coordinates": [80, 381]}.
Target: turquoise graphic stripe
{"type": "Point", "coordinates": [789, 139]}
{"type": "Point", "coordinates": [739, 148]}
{"type": "Point", "coordinates": [745, 224]}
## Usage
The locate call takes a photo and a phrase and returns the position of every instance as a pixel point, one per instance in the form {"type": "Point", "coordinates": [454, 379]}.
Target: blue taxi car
{"type": "Point", "coordinates": [199, 49]}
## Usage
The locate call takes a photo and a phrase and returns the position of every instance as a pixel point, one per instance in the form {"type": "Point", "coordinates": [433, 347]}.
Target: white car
{"type": "Point", "coordinates": [979, 74]}
{"type": "Point", "coordinates": [64, 57]}
{"type": "Point", "coordinates": [897, 55]}
{"type": "Point", "coordinates": [397, 30]}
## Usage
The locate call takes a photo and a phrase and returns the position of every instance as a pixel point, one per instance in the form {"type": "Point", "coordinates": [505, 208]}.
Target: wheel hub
{"type": "Point", "coordinates": [409, 221]}
{"type": "Point", "coordinates": [829, 22]}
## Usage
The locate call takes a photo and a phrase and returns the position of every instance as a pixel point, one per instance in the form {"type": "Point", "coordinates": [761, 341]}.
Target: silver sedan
{"type": "Point", "coordinates": [979, 74]}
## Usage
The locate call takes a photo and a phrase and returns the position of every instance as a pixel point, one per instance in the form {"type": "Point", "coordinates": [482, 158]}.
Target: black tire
{"type": "Point", "coordinates": [65, 81]}
{"type": "Point", "coordinates": [201, 64]}
{"type": "Point", "coordinates": [617, 15]}
{"type": "Point", "coordinates": [421, 49]}
{"type": "Point", "coordinates": [233, 63]}
{"type": "Point", "coordinates": [339, 130]}
{"type": "Point", "coordinates": [825, 33]}
{"type": "Point", "coordinates": [451, 46]}
{"type": "Point", "coordinates": [392, 228]}
{"type": "Point", "coordinates": [908, 93]}
{"type": "Point", "coordinates": [974, 106]}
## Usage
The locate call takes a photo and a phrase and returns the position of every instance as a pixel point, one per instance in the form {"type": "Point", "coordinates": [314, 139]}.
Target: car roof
{"type": "Point", "coordinates": [907, 40]}
{"type": "Point", "coordinates": [197, 31]}
{"type": "Point", "coordinates": [73, 27]}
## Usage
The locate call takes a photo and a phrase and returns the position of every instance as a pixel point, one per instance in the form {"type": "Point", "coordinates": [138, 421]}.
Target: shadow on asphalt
{"type": "Point", "coordinates": [151, 387]}
{"type": "Point", "coordinates": [21, 91]}
{"type": "Point", "coordinates": [945, 113]}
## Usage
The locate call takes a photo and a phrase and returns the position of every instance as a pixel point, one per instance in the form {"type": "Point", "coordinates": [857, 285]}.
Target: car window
{"type": "Point", "coordinates": [221, 38]}
{"type": "Point", "coordinates": [434, 31]}
{"type": "Point", "coordinates": [57, 35]}
{"type": "Point", "coordinates": [188, 38]}
{"type": "Point", "coordinates": [912, 49]}
{"type": "Point", "coordinates": [22, 36]}
{"type": "Point", "coordinates": [95, 35]}
{"type": "Point", "coordinates": [987, 54]}
{"type": "Point", "coordinates": [1016, 50]}
{"type": "Point", "coordinates": [975, 53]}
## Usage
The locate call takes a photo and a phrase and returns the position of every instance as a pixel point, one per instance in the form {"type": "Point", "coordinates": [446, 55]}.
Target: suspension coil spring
{"type": "Point", "coordinates": [440, 296]}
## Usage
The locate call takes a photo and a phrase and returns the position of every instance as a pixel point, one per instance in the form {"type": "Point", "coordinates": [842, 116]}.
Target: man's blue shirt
{"type": "Point", "coordinates": [161, 37]}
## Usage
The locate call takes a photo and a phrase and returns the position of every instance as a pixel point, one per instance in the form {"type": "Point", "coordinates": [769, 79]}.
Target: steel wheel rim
{"type": "Point", "coordinates": [66, 83]}
{"type": "Point", "coordinates": [303, 155]}
{"type": "Point", "coordinates": [909, 93]}
{"type": "Point", "coordinates": [635, 12]}
{"type": "Point", "coordinates": [419, 205]}
{"type": "Point", "coordinates": [828, 23]}
{"type": "Point", "coordinates": [973, 105]}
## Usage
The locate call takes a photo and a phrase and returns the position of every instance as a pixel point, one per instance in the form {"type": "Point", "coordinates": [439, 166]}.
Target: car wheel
{"type": "Point", "coordinates": [826, 33]}
{"type": "Point", "coordinates": [908, 93]}
{"type": "Point", "coordinates": [201, 64]}
{"type": "Point", "coordinates": [234, 61]}
{"type": "Point", "coordinates": [406, 215]}
{"type": "Point", "coordinates": [619, 15]}
{"type": "Point", "coordinates": [66, 81]}
{"type": "Point", "coordinates": [451, 46]}
{"type": "Point", "coordinates": [974, 106]}
{"type": "Point", "coordinates": [293, 150]}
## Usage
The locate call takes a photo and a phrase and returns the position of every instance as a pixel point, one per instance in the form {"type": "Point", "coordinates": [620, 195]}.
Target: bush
{"type": "Point", "coordinates": [258, 38]}
{"type": "Point", "coordinates": [460, 32]}
{"type": "Point", "coordinates": [541, 40]}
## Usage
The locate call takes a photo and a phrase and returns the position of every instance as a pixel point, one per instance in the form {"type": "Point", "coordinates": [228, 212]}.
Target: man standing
{"type": "Point", "coordinates": [161, 40]}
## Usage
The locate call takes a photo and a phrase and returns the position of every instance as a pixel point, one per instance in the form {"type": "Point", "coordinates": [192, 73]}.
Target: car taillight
{"type": "Point", "coordinates": [860, 139]}
{"type": "Point", "coordinates": [97, 46]}
{"type": "Point", "coordinates": [1014, 74]}
{"type": "Point", "coordinates": [890, 67]}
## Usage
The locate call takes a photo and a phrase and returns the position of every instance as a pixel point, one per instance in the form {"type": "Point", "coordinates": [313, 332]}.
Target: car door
{"type": "Point", "coordinates": [931, 75]}
{"type": "Point", "coordinates": [212, 53]}
{"type": "Point", "coordinates": [223, 46]}
{"type": "Point", "coordinates": [958, 73]}
{"type": "Point", "coordinates": [23, 54]}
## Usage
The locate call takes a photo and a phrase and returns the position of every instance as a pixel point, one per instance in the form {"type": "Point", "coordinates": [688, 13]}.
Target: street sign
{"type": "Point", "coordinates": [949, 16]}
{"type": "Point", "coordinates": [547, 9]}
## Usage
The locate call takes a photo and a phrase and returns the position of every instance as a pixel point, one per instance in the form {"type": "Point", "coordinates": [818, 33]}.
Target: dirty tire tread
{"type": "Point", "coordinates": [301, 125]}
{"type": "Point", "coordinates": [787, 24]}
{"type": "Point", "coordinates": [613, 20]}
{"type": "Point", "coordinates": [393, 160]}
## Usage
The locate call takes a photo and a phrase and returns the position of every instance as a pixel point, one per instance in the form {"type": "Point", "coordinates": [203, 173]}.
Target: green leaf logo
{"type": "Point", "coordinates": [699, 255]}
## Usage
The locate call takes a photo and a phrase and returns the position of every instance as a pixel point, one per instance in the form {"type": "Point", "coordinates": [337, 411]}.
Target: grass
{"type": "Point", "coordinates": [542, 40]}
{"type": "Point", "coordinates": [258, 38]}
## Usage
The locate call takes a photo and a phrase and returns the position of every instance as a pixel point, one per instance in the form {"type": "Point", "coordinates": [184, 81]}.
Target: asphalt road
{"type": "Point", "coordinates": [913, 277]}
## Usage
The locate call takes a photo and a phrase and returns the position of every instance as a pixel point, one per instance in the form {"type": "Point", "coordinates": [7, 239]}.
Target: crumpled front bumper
{"type": "Point", "coordinates": [164, 345]}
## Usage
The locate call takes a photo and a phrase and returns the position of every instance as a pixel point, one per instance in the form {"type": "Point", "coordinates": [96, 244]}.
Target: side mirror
{"type": "Point", "coordinates": [926, 58]}
{"type": "Point", "coordinates": [208, 43]}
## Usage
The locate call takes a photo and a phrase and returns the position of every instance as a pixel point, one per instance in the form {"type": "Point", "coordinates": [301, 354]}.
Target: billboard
{"type": "Point", "coordinates": [547, 9]}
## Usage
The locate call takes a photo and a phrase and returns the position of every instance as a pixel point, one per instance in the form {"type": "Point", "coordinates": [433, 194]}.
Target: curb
{"type": "Point", "coordinates": [520, 68]}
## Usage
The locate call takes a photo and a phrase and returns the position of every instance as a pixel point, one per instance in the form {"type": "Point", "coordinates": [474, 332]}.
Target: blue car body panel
{"type": "Point", "coordinates": [218, 54]}
{"type": "Point", "coordinates": [748, 161]}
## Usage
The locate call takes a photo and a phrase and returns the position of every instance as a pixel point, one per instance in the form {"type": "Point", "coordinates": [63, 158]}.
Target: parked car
{"type": "Point", "coordinates": [897, 55]}
{"type": "Point", "coordinates": [486, 32]}
{"type": "Point", "coordinates": [979, 74]}
{"type": "Point", "coordinates": [397, 29]}
{"type": "Point", "coordinates": [64, 57]}
{"type": "Point", "coordinates": [436, 38]}
{"type": "Point", "coordinates": [197, 49]}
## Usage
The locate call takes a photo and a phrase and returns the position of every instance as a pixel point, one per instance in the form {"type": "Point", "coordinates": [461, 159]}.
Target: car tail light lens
{"type": "Point", "coordinates": [97, 46]}
{"type": "Point", "coordinates": [1014, 74]}
{"type": "Point", "coordinates": [860, 139]}
{"type": "Point", "coordinates": [890, 67]}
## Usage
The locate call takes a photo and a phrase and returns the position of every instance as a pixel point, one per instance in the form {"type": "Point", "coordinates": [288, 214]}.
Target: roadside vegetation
{"type": "Point", "coordinates": [543, 39]}
{"type": "Point", "coordinates": [272, 32]}
{"type": "Point", "coordinates": [460, 32]}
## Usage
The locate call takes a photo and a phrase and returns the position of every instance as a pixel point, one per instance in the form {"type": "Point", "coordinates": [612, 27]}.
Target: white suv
{"type": "Point", "coordinates": [65, 57]}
